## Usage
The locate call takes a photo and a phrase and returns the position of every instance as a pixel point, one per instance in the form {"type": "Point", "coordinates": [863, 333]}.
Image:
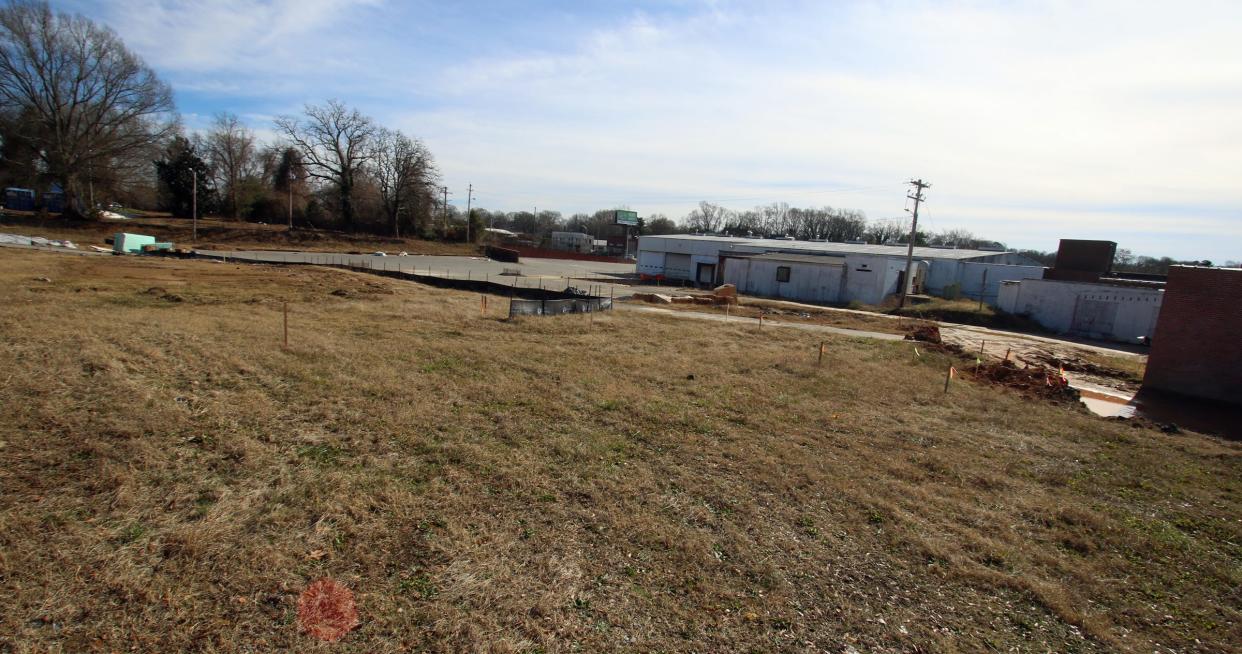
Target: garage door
{"type": "Point", "coordinates": [677, 266]}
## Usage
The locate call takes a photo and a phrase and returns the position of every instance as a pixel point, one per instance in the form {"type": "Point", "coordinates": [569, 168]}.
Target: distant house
{"type": "Point", "coordinates": [572, 242]}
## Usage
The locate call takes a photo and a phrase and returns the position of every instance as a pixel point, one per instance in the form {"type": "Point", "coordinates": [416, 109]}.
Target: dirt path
{"type": "Point", "coordinates": [1106, 368]}
{"type": "Point", "coordinates": [696, 315]}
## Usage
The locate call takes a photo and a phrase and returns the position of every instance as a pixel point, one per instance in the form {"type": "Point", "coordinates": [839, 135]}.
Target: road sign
{"type": "Point", "coordinates": [622, 217]}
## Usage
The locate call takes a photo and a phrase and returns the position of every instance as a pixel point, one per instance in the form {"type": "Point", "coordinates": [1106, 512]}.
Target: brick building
{"type": "Point", "coordinates": [1197, 348]}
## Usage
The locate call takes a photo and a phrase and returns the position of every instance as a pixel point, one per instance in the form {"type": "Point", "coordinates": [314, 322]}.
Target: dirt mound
{"type": "Point", "coordinates": [1040, 382]}
{"type": "Point", "coordinates": [930, 335]}
{"type": "Point", "coordinates": [924, 333]}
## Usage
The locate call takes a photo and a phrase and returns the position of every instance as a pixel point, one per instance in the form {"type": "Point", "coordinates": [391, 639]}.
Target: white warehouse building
{"type": "Point", "coordinates": [829, 273]}
{"type": "Point", "coordinates": [1114, 311]}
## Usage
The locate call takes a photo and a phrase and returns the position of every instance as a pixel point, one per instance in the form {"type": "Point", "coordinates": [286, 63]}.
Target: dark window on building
{"type": "Point", "coordinates": [782, 273]}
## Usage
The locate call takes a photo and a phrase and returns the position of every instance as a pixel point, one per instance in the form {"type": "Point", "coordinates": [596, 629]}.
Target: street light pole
{"type": "Point", "coordinates": [194, 203]}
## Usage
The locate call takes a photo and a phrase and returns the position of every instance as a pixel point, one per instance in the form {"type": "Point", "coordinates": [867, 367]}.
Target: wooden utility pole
{"type": "Point", "coordinates": [194, 204]}
{"type": "Point", "coordinates": [908, 278]}
{"type": "Point", "coordinates": [469, 197]}
{"type": "Point", "coordinates": [445, 214]}
{"type": "Point", "coordinates": [291, 178]}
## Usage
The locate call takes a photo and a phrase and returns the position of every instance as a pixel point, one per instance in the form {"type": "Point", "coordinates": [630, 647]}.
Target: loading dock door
{"type": "Point", "coordinates": [677, 266]}
{"type": "Point", "coordinates": [707, 274]}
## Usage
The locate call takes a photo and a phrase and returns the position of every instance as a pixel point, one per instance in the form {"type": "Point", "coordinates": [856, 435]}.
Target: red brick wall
{"type": "Point", "coordinates": [1197, 348]}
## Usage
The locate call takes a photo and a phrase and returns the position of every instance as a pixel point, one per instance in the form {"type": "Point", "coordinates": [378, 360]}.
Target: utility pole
{"type": "Point", "coordinates": [291, 178]}
{"type": "Point", "coordinates": [90, 180]}
{"type": "Point", "coordinates": [194, 204]}
{"type": "Point", "coordinates": [444, 234]}
{"type": "Point", "coordinates": [908, 278]}
{"type": "Point", "coordinates": [469, 196]}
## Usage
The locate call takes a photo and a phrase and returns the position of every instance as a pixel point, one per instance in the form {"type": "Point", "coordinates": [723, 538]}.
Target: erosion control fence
{"type": "Point", "coordinates": [553, 307]}
{"type": "Point", "coordinates": [528, 297]}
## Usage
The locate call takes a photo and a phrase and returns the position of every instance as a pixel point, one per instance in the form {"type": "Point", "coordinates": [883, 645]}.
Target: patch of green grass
{"type": "Point", "coordinates": [420, 585]}
{"type": "Point", "coordinates": [442, 365]}
{"type": "Point", "coordinates": [132, 533]}
{"type": "Point", "coordinates": [321, 455]}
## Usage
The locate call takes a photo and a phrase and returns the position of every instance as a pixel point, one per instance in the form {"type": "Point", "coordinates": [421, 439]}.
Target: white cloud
{"type": "Point", "coordinates": [1088, 107]}
{"type": "Point", "coordinates": [1033, 120]}
{"type": "Point", "coordinates": [244, 37]}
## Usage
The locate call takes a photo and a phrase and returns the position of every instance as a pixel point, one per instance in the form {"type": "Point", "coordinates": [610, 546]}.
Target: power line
{"type": "Point", "coordinates": [907, 280]}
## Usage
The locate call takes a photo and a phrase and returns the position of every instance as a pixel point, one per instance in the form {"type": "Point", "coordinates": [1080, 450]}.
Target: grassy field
{"type": "Point", "coordinates": [220, 234]}
{"type": "Point", "coordinates": [171, 479]}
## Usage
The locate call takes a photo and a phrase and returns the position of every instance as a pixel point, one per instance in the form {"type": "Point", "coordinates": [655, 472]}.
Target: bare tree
{"type": "Point", "coordinates": [88, 101]}
{"type": "Point", "coordinates": [335, 143]}
{"type": "Point", "coordinates": [707, 218]}
{"type": "Point", "coordinates": [402, 168]}
{"type": "Point", "coordinates": [658, 223]}
{"type": "Point", "coordinates": [230, 150]}
{"type": "Point", "coordinates": [890, 230]}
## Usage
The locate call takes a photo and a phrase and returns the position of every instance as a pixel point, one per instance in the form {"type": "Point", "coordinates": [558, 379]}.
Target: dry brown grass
{"type": "Point", "coordinates": [223, 234]}
{"type": "Point", "coordinates": [171, 480]}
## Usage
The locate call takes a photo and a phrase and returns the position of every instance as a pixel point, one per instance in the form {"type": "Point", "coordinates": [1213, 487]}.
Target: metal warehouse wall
{"type": "Point", "coordinates": [808, 282]}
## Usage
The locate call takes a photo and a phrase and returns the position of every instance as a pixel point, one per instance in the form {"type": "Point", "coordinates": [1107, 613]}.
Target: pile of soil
{"type": "Point", "coordinates": [930, 335]}
{"type": "Point", "coordinates": [924, 333]}
{"type": "Point", "coordinates": [1037, 382]}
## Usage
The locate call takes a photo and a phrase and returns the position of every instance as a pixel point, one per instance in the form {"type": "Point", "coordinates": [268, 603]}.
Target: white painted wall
{"type": "Point", "coordinates": [870, 278]}
{"type": "Point", "coordinates": [1007, 298]}
{"type": "Point", "coordinates": [818, 283]}
{"type": "Point", "coordinates": [941, 273]}
{"type": "Point", "coordinates": [970, 277]}
{"type": "Point", "coordinates": [1064, 307]}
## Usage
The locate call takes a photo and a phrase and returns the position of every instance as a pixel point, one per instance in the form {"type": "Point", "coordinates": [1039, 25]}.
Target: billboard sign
{"type": "Point", "coordinates": [622, 217]}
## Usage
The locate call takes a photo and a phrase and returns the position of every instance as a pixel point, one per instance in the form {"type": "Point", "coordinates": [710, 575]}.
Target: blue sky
{"type": "Point", "coordinates": [1033, 120]}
